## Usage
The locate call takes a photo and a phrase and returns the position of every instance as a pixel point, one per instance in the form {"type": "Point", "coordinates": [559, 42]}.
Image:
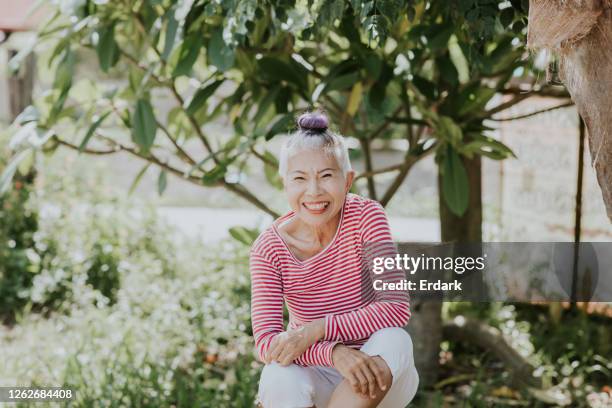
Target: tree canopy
{"type": "Point", "coordinates": [420, 71]}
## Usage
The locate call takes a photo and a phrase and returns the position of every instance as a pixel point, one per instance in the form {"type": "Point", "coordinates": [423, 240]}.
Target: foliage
{"type": "Point", "coordinates": [18, 224]}
{"type": "Point", "coordinates": [572, 356]}
{"type": "Point", "coordinates": [166, 341]}
{"type": "Point", "coordinates": [175, 331]}
{"type": "Point", "coordinates": [424, 72]}
{"type": "Point", "coordinates": [66, 237]}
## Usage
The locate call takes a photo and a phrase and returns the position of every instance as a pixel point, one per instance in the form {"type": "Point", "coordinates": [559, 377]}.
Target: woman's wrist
{"type": "Point", "coordinates": [315, 330]}
{"type": "Point", "coordinates": [337, 351]}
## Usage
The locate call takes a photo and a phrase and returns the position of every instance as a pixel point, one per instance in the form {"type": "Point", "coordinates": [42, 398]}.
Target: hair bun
{"type": "Point", "coordinates": [313, 121]}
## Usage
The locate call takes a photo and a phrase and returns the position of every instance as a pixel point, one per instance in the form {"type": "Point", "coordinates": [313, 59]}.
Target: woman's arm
{"type": "Point", "coordinates": [390, 308]}
{"type": "Point", "coordinates": [267, 319]}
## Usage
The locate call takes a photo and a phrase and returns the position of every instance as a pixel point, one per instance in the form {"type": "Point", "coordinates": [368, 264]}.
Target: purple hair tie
{"type": "Point", "coordinates": [313, 121]}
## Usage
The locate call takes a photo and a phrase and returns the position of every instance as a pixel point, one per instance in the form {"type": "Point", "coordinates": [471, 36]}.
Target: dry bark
{"type": "Point", "coordinates": [579, 32]}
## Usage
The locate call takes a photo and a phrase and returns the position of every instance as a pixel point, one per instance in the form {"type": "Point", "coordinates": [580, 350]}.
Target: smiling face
{"type": "Point", "coordinates": [316, 186]}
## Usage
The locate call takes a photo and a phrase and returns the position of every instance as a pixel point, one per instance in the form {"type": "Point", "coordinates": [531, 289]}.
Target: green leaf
{"type": "Point", "coordinates": [219, 53]}
{"type": "Point", "coordinates": [244, 235]}
{"type": "Point", "coordinates": [213, 177]}
{"type": "Point", "coordinates": [502, 57]}
{"type": "Point", "coordinates": [506, 17]}
{"type": "Point", "coordinates": [171, 31]}
{"type": "Point", "coordinates": [379, 89]}
{"type": "Point", "coordinates": [138, 178]}
{"type": "Point", "coordinates": [201, 96]}
{"type": "Point", "coordinates": [354, 99]}
{"type": "Point", "coordinates": [459, 60]}
{"type": "Point", "coordinates": [343, 82]}
{"type": "Point", "coordinates": [188, 54]}
{"type": "Point", "coordinates": [271, 171]}
{"type": "Point", "coordinates": [474, 101]}
{"type": "Point", "coordinates": [347, 27]}
{"type": "Point", "coordinates": [449, 130]}
{"type": "Point", "coordinates": [57, 107]}
{"type": "Point", "coordinates": [439, 35]}
{"type": "Point", "coordinates": [9, 171]}
{"type": "Point", "coordinates": [162, 182]}
{"type": "Point", "coordinates": [447, 69]}
{"type": "Point", "coordinates": [275, 70]}
{"type": "Point", "coordinates": [281, 125]}
{"type": "Point", "coordinates": [281, 103]}
{"type": "Point", "coordinates": [265, 104]}
{"type": "Point", "coordinates": [29, 114]}
{"type": "Point", "coordinates": [426, 87]}
{"type": "Point", "coordinates": [59, 48]}
{"type": "Point", "coordinates": [487, 146]}
{"type": "Point", "coordinates": [145, 126]}
{"type": "Point", "coordinates": [92, 129]}
{"type": "Point", "coordinates": [373, 65]}
{"type": "Point", "coordinates": [107, 49]}
{"type": "Point", "coordinates": [64, 72]}
{"type": "Point", "coordinates": [455, 184]}
{"type": "Point", "coordinates": [330, 11]}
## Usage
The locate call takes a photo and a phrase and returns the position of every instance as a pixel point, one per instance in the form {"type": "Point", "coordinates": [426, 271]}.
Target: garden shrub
{"type": "Point", "coordinates": [65, 234]}
{"type": "Point", "coordinates": [137, 314]}
{"type": "Point", "coordinates": [18, 224]}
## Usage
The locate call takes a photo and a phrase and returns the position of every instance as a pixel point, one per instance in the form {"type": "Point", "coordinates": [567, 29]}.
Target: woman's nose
{"type": "Point", "coordinates": [313, 187]}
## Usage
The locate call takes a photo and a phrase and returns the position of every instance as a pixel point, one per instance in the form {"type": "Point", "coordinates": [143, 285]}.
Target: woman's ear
{"type": "Point", "coordinates": [350, 176]}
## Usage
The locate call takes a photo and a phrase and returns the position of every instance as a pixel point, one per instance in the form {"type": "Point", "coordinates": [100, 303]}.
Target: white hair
{"type": "Point", "coordinates": [325, 141]}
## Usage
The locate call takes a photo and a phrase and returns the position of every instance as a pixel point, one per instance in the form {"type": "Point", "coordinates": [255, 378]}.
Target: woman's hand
{"type": "Point", "coordinates": [289, 345]}
{"type": "Point", "coordinates": [361, 370]}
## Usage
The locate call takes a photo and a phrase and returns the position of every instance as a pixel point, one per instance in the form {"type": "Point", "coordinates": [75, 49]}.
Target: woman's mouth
{"type": "Point", "coordinates": [316, 207]}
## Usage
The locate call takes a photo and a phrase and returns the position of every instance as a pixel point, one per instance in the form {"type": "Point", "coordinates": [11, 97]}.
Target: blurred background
{"type": "Point", "coordinates": [139, 154]}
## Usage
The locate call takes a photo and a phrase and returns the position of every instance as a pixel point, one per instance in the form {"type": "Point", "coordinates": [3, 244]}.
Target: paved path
{"type": "Point", "coordinates": [212, 224]}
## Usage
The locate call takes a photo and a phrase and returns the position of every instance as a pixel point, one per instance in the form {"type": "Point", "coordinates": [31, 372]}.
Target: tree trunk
{"type": "Point", "coordinates": [426, 322]}
{"type": "Point", "coordinates": [579, 33]}
{"type": "Point", "coordinates": [21, 85]}
{"type": "Point", "coordinates": [467, 228]}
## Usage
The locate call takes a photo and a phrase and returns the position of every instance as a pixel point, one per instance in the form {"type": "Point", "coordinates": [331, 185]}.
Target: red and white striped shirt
{"type": "Point", "coordinates": [335, 284]}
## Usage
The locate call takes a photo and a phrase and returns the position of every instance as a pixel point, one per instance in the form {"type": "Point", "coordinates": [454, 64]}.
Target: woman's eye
{"type": "Point", "coordinates": [327, 175]}
{"type": "Point", "coordinates": [299, 178]}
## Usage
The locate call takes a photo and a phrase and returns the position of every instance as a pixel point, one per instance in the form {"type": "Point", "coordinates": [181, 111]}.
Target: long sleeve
{"type": "Point", "coordinates": [389, 308]}
{"type": "Point", "coordinates": [267, 313]}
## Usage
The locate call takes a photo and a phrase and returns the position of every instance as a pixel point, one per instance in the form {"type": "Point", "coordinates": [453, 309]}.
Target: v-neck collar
{"type": "Point", "coordinates": [321, 252]}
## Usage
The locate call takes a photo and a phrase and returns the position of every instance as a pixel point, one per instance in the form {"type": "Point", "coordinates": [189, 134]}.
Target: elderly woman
{"type": "Point", "coordinates": [344, 345]}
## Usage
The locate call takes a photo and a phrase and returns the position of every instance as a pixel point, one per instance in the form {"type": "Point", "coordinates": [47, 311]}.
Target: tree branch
{"type": "Point", "coordinates": [409, 161]}
{"type": "Point", "coordinates": [527, 115]}
{"type": "Point", "coordinates": [384, 125]}
{"type": "Point", "coordinates": [85, 150]}
{"type": "Point", "coordinates": [365, 146]}
{"type": "Point", "coordinates": [236, 188]}
{"type": "Point", "coordinates": [506, 105]}
{"type": "Point", "coordinates": [150, 157]}
{"type": "Point", "coordinates": [407, 121]}
{"type": "Point", "coordinates": [263, 158]}
{"type": "Point", "coordinates": [240, 190]}
{"type": "Point", "coordinates": [180, 150]}
{"type": "Point", "coordinates": [550, 91]}
{"type": "Point", "coordinates": [388, 169]}
{"type": "Point", "coordinates": [194, 122]}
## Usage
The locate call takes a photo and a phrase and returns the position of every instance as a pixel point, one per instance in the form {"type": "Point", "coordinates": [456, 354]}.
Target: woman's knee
{"type": "Point", "coordinates": [289, 386]}
{"type": "Point", "coordinates": [394, 345]}
{"type": "Point", "coordinates": [395, 338]}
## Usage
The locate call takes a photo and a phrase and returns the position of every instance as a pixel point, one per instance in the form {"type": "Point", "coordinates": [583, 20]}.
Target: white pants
{"type": "Point", "coordinates": [295, 386]}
